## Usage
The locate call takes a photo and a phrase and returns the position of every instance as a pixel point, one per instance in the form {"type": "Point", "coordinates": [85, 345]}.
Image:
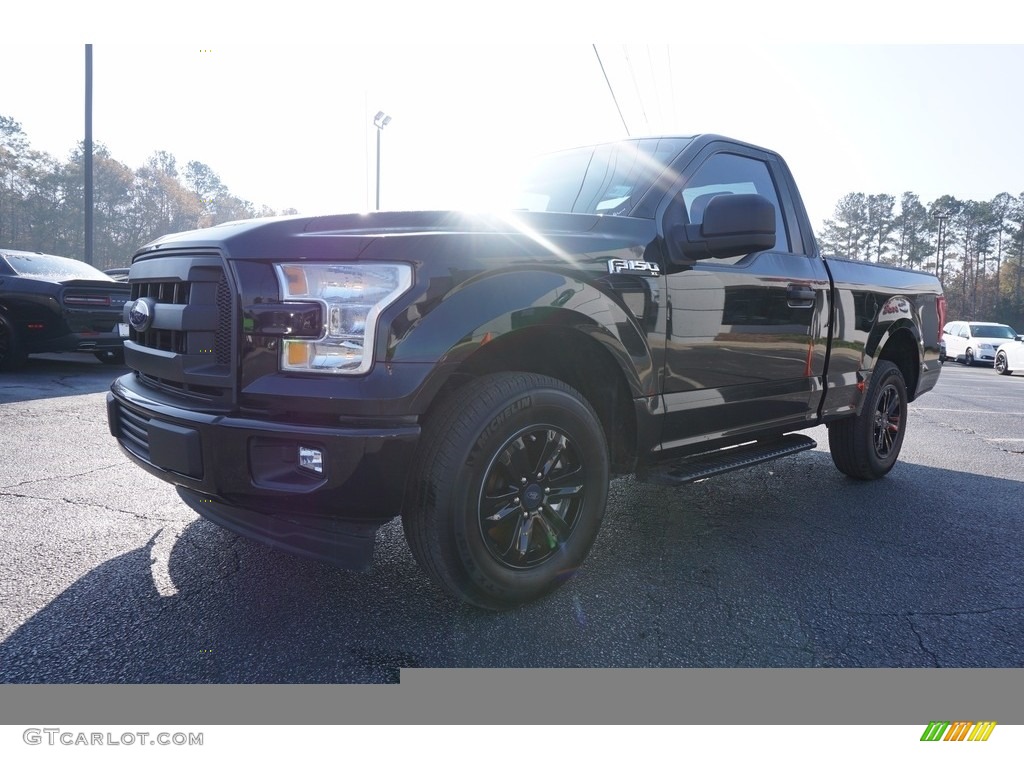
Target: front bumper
{"type": "Point", "coordinates": [243, 473]}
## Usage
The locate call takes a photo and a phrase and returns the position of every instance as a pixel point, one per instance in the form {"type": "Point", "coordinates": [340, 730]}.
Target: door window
{"type": "Point", "coordinates": [729, 174]}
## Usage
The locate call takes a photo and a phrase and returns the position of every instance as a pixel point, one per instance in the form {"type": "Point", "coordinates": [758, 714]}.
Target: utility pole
{"type": "Point", "coordinates": [87, 156]}
{"type": "Point", "coordinates": [940, 260]}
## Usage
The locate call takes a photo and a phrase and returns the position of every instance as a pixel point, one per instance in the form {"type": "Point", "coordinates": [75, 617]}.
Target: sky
{"type": "Point", "coordinates": [287, 121]}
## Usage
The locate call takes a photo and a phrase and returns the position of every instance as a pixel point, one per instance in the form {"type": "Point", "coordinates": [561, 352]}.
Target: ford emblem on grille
{"type": "Point", "coordinates": [140, 316]}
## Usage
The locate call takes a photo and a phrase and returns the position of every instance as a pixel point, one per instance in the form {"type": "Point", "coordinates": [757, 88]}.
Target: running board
{"type": "Point", "coordinates": [703, 465]}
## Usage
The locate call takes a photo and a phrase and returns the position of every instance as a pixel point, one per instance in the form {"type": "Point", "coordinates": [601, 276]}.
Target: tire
{"type": "Point", "coordinates": [866, 446]}
{"type": "Point", "coordinates": [508, 490]}
{"type": "Point", "coordinates": [12, 355]}
{"type": "Point", "coordinates": [111, 356]}
{"type": "Point", "coordinates": [969, 357]}
{"type": "Point", "coordinates": [1002, 365]}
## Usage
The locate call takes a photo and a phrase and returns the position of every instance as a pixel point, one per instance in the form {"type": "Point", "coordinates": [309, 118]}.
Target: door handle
{"type": "Point", "coordinates": [799, 296]}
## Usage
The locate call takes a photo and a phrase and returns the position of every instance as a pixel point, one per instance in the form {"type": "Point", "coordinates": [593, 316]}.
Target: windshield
{"type": "Point", "coordinates": [608, 179]}
{"type": "Point", "coordinates": [42, 266]}
{"type": "Point", "coordinates": [992, 331]}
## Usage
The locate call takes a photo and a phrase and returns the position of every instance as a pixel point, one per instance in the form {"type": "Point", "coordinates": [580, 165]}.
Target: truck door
{"type": "Point", "coordinates": [747, 335]}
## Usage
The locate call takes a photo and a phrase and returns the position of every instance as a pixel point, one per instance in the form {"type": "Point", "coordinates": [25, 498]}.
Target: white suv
{"type": "Point", "coordinates": [974, 342]}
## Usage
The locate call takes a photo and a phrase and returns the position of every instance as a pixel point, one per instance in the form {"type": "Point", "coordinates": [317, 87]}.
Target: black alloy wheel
{"type": "Point", "coordinates": [531, 497]}
{"type": "Point", "coordinates": [867, 445]}
{"type": "Point", "coordinates": [508, 490]}
{"type": "Point", "coordinates": [889, 416]}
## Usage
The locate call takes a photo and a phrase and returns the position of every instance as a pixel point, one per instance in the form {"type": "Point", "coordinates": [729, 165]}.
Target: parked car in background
{"type": "Point", "coordinates": [970, 342]}
{"type": "Point", "coordinates": [118, 273]}
{"type": "Point", "coordinates": [1010, 356]}
{"type": "Point", "coordinates": [55, 304]}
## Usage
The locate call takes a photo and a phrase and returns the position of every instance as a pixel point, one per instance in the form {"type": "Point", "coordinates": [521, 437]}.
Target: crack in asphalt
{"type": "Point", "coordinates": [81, 502]}
{"type": "Point", "coordinates": [65, 477]}
{"type": "Point", "coordinates": [943, 614]}
{"type": "Point", "coordinates": [136, 515]}
{"type": "Point", "coordinates": [808, 645]}
{"type": "Point", "coordinates": [920, 643]}
{"type": "Point", "coordinates": [60, 380]}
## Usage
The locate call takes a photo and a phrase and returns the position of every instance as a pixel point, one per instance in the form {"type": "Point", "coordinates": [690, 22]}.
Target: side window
{"type": "Point", "coordinates": [619, 173]}
{"type": "Point", "coordinates": [729, 174]}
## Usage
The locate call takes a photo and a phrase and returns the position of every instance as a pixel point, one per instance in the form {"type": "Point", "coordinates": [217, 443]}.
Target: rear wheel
{"type": "Point", "coordinates": [866, 446]}
{"type": "Point", "coordinates": [1002, 365]}
{"type": "Point", "coordinates": [12, 354]}
{"type": "Point", "coordinates": [509, 489]}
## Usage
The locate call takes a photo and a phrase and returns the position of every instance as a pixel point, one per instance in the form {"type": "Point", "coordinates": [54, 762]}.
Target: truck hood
{"type": "Point", "coordinates": [356, 235]}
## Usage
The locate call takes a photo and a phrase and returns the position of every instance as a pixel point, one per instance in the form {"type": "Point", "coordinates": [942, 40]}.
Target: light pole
{"type": "Point", "coordinates": [940, 263]}
{"type": "Point", "coordinates": [379, 120]}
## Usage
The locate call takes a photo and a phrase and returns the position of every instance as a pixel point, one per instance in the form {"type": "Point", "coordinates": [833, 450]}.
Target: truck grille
{"type": "Point", "coordinates": [189, 348]}
{"type": "Point", "coordinates": [158, 338]}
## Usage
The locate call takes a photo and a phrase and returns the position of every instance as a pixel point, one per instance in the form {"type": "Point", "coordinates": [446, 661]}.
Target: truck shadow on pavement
{"type": "Point", "coordinates": [749, 570]}
{"type": "Point", "coordinates": [237, 613]}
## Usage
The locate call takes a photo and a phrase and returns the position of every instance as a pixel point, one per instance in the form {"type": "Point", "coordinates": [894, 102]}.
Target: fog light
{"type": "Point", "coordinates": [311, 459]}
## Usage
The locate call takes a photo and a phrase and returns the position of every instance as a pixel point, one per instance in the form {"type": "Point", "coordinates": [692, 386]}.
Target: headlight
{"type": "Point", "coordinates": [989, 347]}
{"type": "Point", "coordinates": [352, 296]}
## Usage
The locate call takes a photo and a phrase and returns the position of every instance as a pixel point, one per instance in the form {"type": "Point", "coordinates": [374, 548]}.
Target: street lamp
{"type": "Point", "coordinates": [940, 262]}
{"type": "Point", "coordinates": [379, 120]}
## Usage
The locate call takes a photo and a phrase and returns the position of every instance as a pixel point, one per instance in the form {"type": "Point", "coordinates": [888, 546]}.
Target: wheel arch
{"type": "Point", "coordinates": [546, 322]}
{"type": "Point", "coordinates": [583, 358]}
{"type": "Point", "coordinates": [901, 345]}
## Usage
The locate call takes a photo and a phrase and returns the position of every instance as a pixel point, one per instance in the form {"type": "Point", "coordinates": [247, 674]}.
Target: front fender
{"type": "Point", "coordinates": [487, 307]}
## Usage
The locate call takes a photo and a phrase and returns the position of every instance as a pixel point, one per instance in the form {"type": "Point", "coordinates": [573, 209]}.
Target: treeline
{"type": "Point", "coordinates": [42, 200]}
{"type": "Point", "coordinates": [979, 259]}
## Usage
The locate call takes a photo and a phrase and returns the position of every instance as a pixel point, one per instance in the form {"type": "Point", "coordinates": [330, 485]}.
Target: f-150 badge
{"type": "Point", "coordinates": [630, 267]}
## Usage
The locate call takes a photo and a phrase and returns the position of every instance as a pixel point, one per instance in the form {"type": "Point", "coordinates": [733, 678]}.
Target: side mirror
{"type": "Point", "coordinates": [733, 225]}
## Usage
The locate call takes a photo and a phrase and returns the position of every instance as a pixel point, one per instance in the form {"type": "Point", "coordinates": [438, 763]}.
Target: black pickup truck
{"type": "Point", "coordinates": [652, 306]}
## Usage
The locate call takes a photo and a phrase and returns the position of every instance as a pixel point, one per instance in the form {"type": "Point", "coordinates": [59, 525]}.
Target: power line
{"type": "Point", "coordinates": [657, 90]}
{"type": "Point", "coordinates": [636, 87]}
{"type": "Point", "coordinates": [672, 88]}
{"type": "Point", "coordinates": [611, 90]}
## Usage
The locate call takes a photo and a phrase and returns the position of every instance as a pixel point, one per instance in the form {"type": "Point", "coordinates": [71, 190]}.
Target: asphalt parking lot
{"type": "Point", "coordinates": [106, 577]}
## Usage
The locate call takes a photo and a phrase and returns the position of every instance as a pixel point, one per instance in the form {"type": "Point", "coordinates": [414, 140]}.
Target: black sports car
{"type": "Point", "coordinates": [54, 304]}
